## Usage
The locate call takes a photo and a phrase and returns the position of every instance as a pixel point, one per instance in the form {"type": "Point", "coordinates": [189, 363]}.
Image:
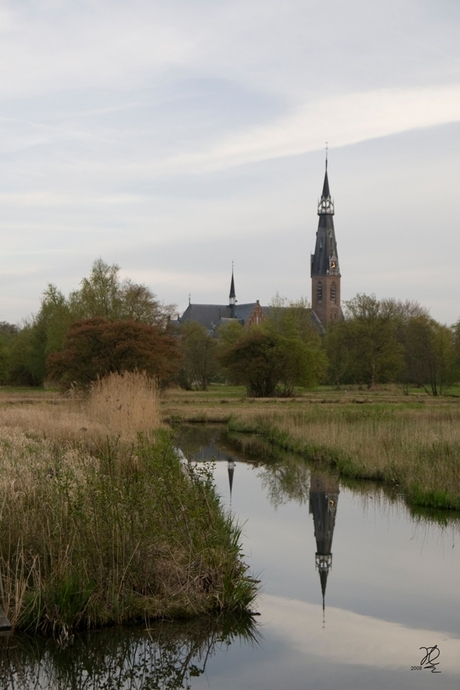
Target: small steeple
{"type": "Point", "coordinates": [232, 296]}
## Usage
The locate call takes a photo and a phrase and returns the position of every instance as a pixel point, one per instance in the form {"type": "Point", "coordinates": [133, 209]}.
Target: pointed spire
{"type": "Point", "coordinates": [326, 205]}
{"type": "Point", "coordinates": [326, 193]}
{"type": "Point", "coordinates": [232, 295]}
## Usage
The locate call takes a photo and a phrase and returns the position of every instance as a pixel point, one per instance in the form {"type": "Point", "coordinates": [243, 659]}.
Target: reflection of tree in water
{"type": "Point", "coordinates": [192, 439]}
{"type": "Point", "coordinates": [286, 477]}
{"type": "Point", "coordinates": [166, 656]}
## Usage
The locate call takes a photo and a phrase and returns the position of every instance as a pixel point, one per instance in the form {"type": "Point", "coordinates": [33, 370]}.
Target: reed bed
{"type": "Point", "coordinates": [120, 406]}
{"type": "Point", "coordinates": [102, 523]}
{"type": "Point", "coordinates": [416, 450]}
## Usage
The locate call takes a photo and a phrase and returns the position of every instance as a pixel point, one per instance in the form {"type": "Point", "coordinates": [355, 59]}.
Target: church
{"type": "Point", "coordinates": [325, 283]}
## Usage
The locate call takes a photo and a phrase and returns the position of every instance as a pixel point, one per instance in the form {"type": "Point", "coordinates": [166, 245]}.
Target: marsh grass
{"type": "Point", "coordinates": [102, 524]}
{"type": "Point", "coordinates": [411, 442]}
{"type": "Point", "coordinates": [120, 406]}
{"type": "Point", "coordinates": [417, 450]}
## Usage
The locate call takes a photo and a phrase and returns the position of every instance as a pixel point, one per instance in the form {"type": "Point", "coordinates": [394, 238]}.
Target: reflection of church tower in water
{"type": "Point", "coordinates": [231, 471]}
{"type": "Point", "coordinates": [324, 494]}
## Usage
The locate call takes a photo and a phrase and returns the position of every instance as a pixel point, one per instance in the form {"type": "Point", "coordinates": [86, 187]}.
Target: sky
{"type": "Point", "coordinates": [174, 137]}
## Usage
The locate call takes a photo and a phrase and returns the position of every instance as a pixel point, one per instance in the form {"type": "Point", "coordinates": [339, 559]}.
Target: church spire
{"type": "Point", "coordinates": [325, 271]}
{"type": "Point", "coordinates": [232, 296]}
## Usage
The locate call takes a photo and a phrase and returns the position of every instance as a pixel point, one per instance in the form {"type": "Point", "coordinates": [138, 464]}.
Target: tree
{"type": "Point", "coordinates": [104, 294]}
{"type": "Point", "coordinates": [293, 319]}
{"type": "Point", "coordinates": [263, 360]}
{"type": "Point", "coordinates": [370, 336]}
{"type": "Point", "coordinates": [429, 354]}
{"type": "Point", "coordinates": [96, 347]}
{"type": "Point", "coordinates": [199, 363]}
{"type": "Point", "coordinates": [8, 336]}
{"type": "Point", "coordinates": [340, 348]}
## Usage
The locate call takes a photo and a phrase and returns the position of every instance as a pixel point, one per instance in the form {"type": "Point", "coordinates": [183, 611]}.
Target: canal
{"type": "Point", "coordinates": [356, 591]}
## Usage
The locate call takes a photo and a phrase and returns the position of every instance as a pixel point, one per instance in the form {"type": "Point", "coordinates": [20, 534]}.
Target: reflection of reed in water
{"type": "Point", "coordinates": [324, 495]}
{"type": "Point", "coordinates": [167, 656]}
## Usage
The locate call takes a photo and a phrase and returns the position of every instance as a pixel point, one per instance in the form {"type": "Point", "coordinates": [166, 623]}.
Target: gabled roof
{"type": "Point", "coordinates": [207, 315]}
{"type": "Point", "coordinates": [211, 316]}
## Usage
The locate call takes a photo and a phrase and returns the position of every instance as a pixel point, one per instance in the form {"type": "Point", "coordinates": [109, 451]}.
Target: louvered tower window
{"type": "Point", "coordinates": [333, 292]}
{"type": "Point", "coordinates": [319, 291]}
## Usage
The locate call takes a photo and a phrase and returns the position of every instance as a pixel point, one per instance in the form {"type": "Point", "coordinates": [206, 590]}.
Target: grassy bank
{"type": "Point", "coordinates": [409, 442]}
{"type": "Point", "coordinates": [102, 523]}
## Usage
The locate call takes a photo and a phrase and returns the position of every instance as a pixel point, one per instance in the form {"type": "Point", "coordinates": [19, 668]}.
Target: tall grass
{"type": "Point", "coordinates": [105, 525]}
{"type": "Point", "coordinates": [416, 450]}
{"type": "Point", "coordinates": [120, 406]}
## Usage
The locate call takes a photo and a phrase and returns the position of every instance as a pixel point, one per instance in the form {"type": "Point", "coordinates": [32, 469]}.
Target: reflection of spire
{"type": "Point", "coordinates": [324, 494]}
{"type": "Point", "coordinates": [231, 470]}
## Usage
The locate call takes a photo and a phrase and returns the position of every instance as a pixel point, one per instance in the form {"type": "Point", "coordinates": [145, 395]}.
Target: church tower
{"type": "Point", "coordinates": [325, 271]}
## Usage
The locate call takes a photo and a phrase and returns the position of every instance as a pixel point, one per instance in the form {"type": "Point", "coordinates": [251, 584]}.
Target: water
{"type": "Point", "coordinates": [357, 606]}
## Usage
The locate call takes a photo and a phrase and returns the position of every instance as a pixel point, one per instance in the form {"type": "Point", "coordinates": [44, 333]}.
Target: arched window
{"type": "Point", "coordinates": [333, 292]}
{"type": "Point", "coordinates": [319, 291]}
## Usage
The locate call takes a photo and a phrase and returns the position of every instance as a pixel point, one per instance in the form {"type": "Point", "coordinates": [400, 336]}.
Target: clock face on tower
{"type": "Point", "coordinates": [333, 264]}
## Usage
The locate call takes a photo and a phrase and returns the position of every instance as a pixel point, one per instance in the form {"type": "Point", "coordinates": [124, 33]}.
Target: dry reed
{"type": "Point", "coordinates": [100, 523]}
{"type": "Point", "coordinates": [417, 450]}
{"type": "Point", "coordinates": [119, 406]}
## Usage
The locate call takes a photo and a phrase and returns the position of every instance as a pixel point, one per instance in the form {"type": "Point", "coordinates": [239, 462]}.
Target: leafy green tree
{"type": "Point", "coordinates": [199, 350]}
{"type": "Point", "coordinates": [371, 340]}
{"type": "Point", "coordinates": [21, 357]}
{"type": "Point", "coordinates": [230, 334]}
{"type": "Point", "coordinates": [429, 355]}
{"type": "Point", "coordinates": [8, 334]}
{"type": "Point", "coordinates": [264, 361]}
{"type": "Point", "coordinates": [340, 348]}
{"type": "Point", "coordinates": [96, 347]}
{"type": "Point", "coordinates": [104, 294]}
{"type": "Point", "coordinates": [293, 319]}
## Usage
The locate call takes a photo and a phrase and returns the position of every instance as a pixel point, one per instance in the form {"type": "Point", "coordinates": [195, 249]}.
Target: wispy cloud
{"type": "Point", "coordinates": [342, 121]}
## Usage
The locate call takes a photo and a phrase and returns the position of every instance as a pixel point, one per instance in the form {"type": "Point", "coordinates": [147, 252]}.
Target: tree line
{"type": "Point", "coordinates": [112, 324]}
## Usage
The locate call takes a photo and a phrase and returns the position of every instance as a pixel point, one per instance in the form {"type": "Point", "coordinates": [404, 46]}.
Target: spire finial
{"type": "Point", "coordinates": [189, 298]}
{"type": "Point", "coordinates": [327, 148]}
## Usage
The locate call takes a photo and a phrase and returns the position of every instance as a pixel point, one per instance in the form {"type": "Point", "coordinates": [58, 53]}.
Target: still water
{"type": "Point", "coordinates": [355, 592]}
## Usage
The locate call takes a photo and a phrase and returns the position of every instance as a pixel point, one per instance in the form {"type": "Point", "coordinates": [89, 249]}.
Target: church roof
{"type": "Point", "coordinates": [211, 316]}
